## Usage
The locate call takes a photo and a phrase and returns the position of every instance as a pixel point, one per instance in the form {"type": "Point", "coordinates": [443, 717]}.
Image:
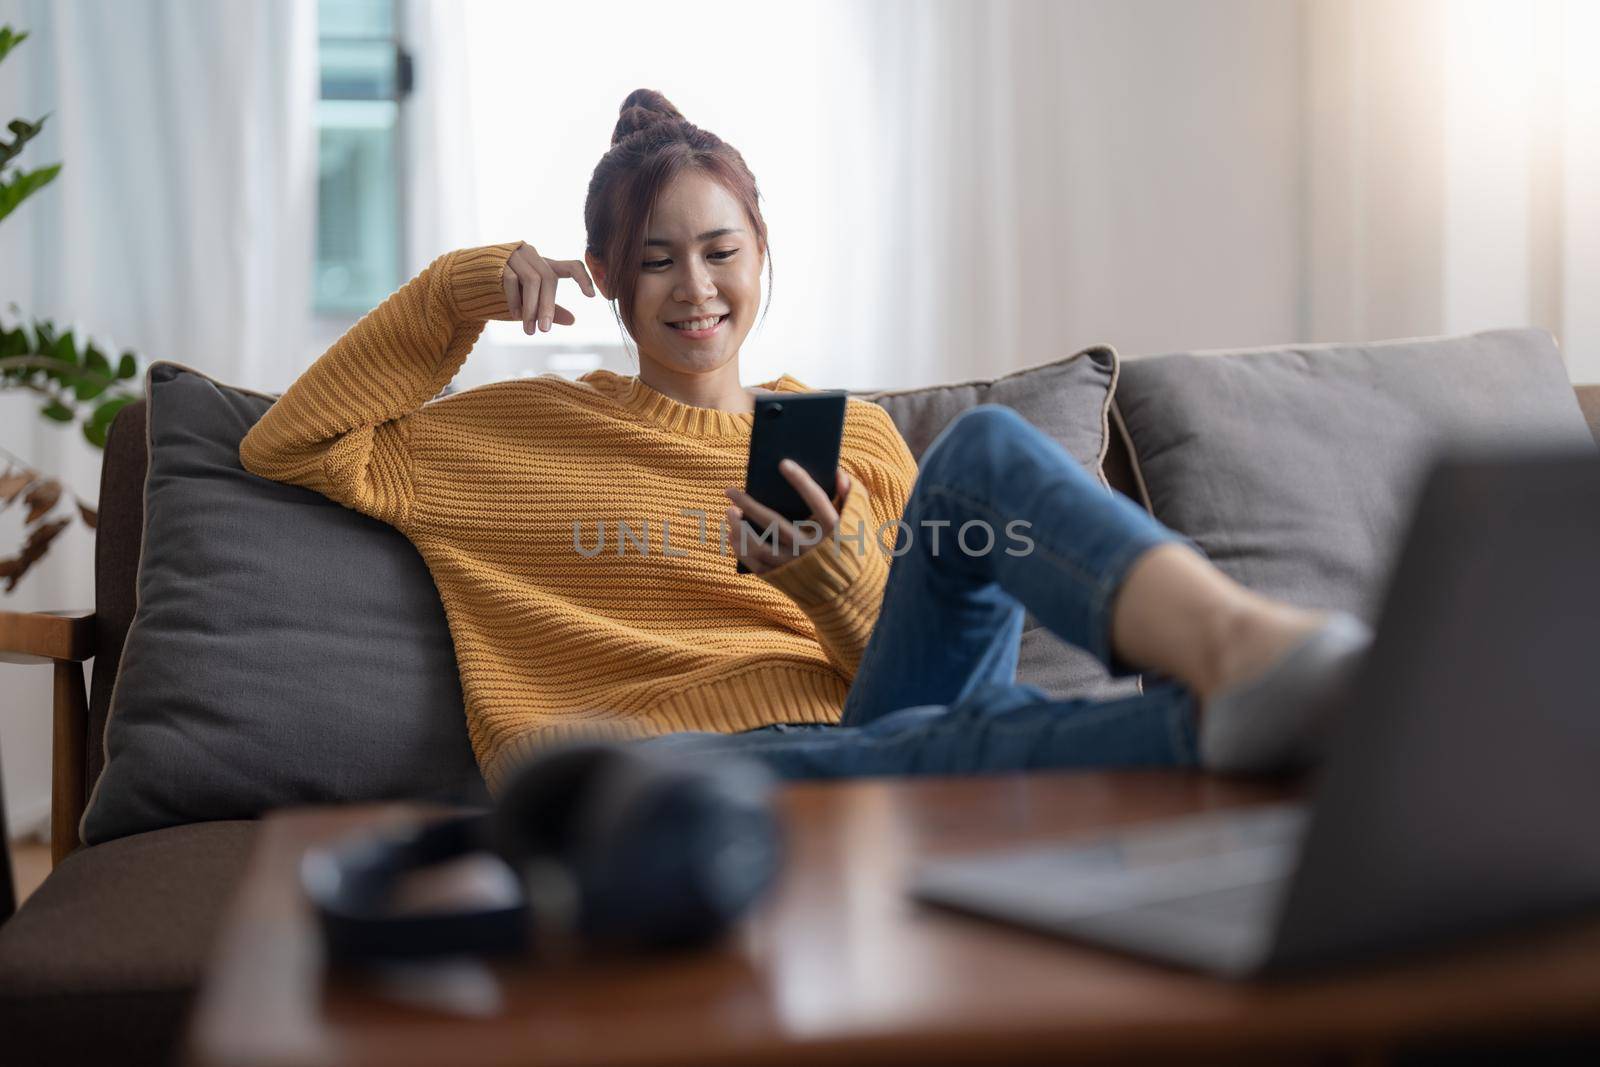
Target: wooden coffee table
{"type": "Point", "coordinates": [839, 966]}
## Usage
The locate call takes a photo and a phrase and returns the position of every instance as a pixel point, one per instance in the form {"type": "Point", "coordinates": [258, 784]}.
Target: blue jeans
{"type": "Point", "coordinates": [936, 691]}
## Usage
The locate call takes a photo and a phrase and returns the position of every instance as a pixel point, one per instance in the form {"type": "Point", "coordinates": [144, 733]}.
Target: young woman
{"type": "Point", "coordinates": [833, 657]}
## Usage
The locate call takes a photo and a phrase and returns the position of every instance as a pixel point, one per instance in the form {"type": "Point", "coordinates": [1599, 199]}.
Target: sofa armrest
{"type": "Point", "coordinates": [66, 639]}
{"type": "Point", "coordinates": [37, 636]}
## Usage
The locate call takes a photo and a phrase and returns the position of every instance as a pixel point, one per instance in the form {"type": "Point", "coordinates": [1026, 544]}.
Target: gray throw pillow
{"type": "Point", "coordinates": [1295, 469]}
{"type": "Point", "coordinates": [1069, 400]}
{"type": "Point", "coordinates": [285, 649]}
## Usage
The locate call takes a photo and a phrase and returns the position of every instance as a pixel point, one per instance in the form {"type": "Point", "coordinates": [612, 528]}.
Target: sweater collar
{"type": "Point", "coordinates": [650, 405]}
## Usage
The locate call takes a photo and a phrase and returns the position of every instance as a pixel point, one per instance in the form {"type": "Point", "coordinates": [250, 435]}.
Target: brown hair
{"type": "Point", "coordinates": [651, 144]}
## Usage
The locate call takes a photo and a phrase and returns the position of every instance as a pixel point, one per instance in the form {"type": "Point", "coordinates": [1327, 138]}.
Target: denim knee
{"type": "Point", "coordinates": [967, 445]}
{"type": "Point", "coordinates": [974, 428]}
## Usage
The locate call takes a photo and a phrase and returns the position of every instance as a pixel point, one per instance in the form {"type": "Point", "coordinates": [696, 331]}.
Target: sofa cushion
{"type": "Point", "coordinates": [101, 962]}
{"type": "Point", "coordinates": [284, 649]}
{"type": "Point", "coordinates": [1069, 400]}
{"type": "Point", "coordinates": [1294, 469]}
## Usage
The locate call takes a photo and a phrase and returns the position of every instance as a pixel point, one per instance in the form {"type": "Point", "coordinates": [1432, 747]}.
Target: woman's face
{"type": "Point", "coordinates": [701, 261]}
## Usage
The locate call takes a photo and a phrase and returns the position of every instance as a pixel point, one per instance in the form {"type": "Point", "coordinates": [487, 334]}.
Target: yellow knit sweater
{"type": "Point", "coordinates": [551, 638]}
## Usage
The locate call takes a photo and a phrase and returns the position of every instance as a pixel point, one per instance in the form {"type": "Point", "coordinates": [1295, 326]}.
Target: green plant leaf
{"type": "Point", "coordinates": [95, 360]}
{"type": "Point", "coordinates": [23, 186]}
{"type": "Point", "coordinates": [13, 343]}
{"type": "Point", "coordinates": [107, 409]}
{"type": "Point", "coordinates": [62, 376]}
{"type": "Point", "coordinates": [65, 349]}
{"type": "Point", "coordinates": [25, 131]}
{"type": "Point", "coordinates": [95, 434]}
{"type": "Point", "coordinates": [128, 367]}
{"type": "Point", "coordinates": [9, 40]}
{"type": "Point", "coordinates": [58, 411]}
{"type": "Point", "coordinates": [60, 349]}
{"type": "Point", "coordinates": [90, 385]}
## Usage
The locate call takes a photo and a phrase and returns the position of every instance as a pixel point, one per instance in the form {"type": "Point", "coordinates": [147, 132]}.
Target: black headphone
{"type": "Point", "coordinates": [613, 846]}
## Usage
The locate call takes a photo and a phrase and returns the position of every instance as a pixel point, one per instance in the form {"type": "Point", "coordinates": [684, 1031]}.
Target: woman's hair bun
{"type": "Point", "coordinates": [642, 109]}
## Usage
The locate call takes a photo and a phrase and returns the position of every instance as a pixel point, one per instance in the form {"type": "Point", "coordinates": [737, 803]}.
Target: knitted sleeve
{"type": "Point", "coordinates": [839, 584]}
{"type": "Point", "coordinates": [343, 427]}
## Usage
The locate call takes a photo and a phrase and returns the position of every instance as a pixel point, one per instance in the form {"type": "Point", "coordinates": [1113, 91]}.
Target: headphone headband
{"type": "Point", "coordinates": [351, 885]}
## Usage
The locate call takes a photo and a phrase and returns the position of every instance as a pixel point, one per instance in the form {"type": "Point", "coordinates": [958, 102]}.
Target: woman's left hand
{"type": "Point", "coordinates": [793, 539]}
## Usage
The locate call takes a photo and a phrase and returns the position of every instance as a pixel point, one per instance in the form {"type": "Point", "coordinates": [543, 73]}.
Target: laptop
{"type": "Point", "coordinates": [1459, 792]}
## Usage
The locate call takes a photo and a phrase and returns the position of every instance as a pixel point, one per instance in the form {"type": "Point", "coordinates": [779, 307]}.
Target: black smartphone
{"type": "Point", "coordinates": [804, 427]}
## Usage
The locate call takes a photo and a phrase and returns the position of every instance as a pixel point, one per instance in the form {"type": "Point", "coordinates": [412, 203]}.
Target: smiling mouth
{"type": "Point", "coordinates": [705, 325]}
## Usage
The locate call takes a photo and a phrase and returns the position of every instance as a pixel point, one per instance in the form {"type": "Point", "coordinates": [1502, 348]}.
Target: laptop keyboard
{"type": "Point", "coordinates": [1222, 864]}
{"type": "Point", "coordinates": [1237, 905]}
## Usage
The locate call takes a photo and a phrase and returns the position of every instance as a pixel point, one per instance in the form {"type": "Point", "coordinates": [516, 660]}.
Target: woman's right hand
{"type": "Point", "coordinates": [529, 281]}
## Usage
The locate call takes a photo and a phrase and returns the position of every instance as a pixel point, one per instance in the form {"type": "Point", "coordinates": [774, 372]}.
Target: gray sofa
{"type": "Point", "coordinates": [101, 963]}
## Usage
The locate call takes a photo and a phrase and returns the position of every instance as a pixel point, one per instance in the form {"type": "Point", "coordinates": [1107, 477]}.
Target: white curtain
{"type": "Point", "coordinates": [961, 187]}
{"type": "Point", "coordinates": [1023, 178]}
{"type": "Point", "coordinates": [181, 226]}
{"type": "Point", "coordinates": [1020, 178]}
{"type": "Point", "coordinates": [1453, 170]}
{"type": "Point", "coordinates": [954, 188]}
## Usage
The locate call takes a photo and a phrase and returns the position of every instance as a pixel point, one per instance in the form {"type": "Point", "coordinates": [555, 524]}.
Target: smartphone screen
{"type": "Point", "coordinates": [804, 427]}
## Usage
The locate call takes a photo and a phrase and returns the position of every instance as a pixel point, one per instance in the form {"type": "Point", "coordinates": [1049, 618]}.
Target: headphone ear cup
{"type": "Point", "coordinates": [538, 812]}
{"type": "Point", "coordinates": [617, 834]}
{"type": "Point", "coordinates": [660, 851]}
{"type": "Point", "coordinates": [669, 851]}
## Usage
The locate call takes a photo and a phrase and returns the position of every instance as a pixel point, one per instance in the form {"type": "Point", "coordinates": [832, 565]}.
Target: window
{"type": "Point", "coordinates": [365, 77]}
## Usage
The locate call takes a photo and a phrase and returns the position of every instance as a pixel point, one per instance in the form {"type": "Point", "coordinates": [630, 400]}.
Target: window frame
{"type": "Point", "coordinates": [327, 322]}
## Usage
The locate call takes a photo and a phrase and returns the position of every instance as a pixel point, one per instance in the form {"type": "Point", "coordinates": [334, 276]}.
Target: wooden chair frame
{"type": "Point", "coordinates": [65, 639]}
